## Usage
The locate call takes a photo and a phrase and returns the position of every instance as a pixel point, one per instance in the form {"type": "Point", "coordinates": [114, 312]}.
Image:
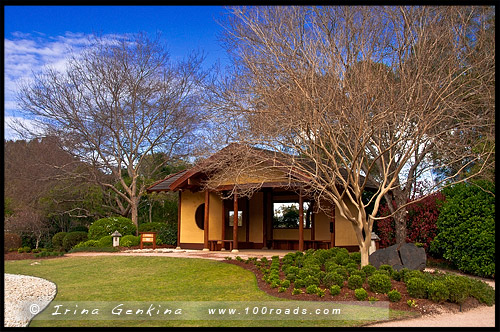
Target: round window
{"type": "Point", "coordinates": [200, 216]}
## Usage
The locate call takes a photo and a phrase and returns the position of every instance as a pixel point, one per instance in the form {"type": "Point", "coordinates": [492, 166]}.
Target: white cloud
{"type": "Point", "coordinates": [10, 123]}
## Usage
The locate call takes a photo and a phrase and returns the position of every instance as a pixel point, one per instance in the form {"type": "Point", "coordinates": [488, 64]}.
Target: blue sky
{"type": "Point", "coordinates": [35, 36]}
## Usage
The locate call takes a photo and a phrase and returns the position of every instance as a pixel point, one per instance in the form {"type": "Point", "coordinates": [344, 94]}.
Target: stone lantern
{"type": "Point", "coordinates": [116, 238]}
{"type": "Point", "coordinates": [374, 245]}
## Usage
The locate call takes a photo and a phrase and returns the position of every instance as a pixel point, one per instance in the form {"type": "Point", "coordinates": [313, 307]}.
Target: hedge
{"type": "Point", "coordinates": [57, 240]}
{"type": "Point", "coordinates": [106, 226]}
{"type": "Point", "coordinates": [466, 228]}
{"type": "Point", "coordinates": [73, 238]}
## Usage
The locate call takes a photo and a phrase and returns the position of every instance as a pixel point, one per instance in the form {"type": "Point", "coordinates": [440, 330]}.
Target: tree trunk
{"type": "Point", "coordinates": [364, 248]}
{"type": "Point", "coordinates": [133, 211]}
{"type": "Point", "coordinates": [400, 217]}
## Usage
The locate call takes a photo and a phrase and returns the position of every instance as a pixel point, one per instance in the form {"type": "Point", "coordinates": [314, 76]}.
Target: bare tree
{"type": "Point", "coordinates": [115, 104]}
{"type": "Point", "coordinates": [28, 221]}
{"type": "Point", "coordinates": [358, 97]}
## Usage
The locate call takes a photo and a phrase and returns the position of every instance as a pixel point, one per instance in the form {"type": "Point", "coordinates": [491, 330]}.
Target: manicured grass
{"type": "Point", "coordinates": [132, 278]}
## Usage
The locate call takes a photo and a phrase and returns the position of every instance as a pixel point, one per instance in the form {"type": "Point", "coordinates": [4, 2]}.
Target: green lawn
{"type": "Point", "coordinates": [154, 279]}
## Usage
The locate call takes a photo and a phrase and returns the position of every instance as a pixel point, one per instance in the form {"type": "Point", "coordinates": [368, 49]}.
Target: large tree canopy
{"type": "Point", "coordinates": [115, 105]}
{"type": "Point", "coordinates": [361, 94]}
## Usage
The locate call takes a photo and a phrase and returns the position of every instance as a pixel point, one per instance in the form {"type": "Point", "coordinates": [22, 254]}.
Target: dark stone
{"type": "Point", "coordinates": [409, 256]}
{"type": "Point", "coordinates": [387, 256]}
{"type": "Point", "coordinates": [413, 257]}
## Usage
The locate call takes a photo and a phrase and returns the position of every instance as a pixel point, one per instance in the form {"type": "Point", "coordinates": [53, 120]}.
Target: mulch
{"type": "Point", "coordinates": [424, 306]}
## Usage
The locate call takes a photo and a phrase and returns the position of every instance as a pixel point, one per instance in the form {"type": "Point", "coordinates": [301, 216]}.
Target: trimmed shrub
{"type": "Point", "coordinates": [11, 241]}
{"type": "Point", "coordinates": [368, 269]}
{"type": "Point", "coordinates": [356, 257]}
{"type": "Point", "coordinates": [73, 238]}
{"type": "Point", "coordinates": [130, 241]}
{"type": "Point", "coordinates": [57, 240]}
{"type": "Point", "coordinates": [297, 291]}
{"type": "Point", "coordinates": [394, 295]}
{"type": "Point", "coordinates": [379, 283]}
{"type": "Point", "coordinates": [458, 287]}
{"type": "Point", "coordinates": [482, 291]}
{"type": "Point", "coordinates": [359, 273]}
{"type": "Point", "coordinates": [342, 271]}
{"type": "Point", "coordinates": [397, 275]}
{"type": "Point", "coordinates": [285, 283]}
{"type": "Point", "coordinates": [312, 289]}
{"type": "Point", "coordinates": [333, 278]}
{"type": "Point", "coordinates": [466, 228]}
{"type": "Point", "coordinates": [437, 291]}
{"type": "Point", "coordinates": [360, 294]}
{"type": "Point", "coordinates": [106, 226]}
{"type": "Point", "coordinates": [299, 283]}
{"type": "Point", "coordinates": [311, 280]}
{"type": "Point", "coordinates": [335, 290]}
{"type": "Point", "coordinates": [330, 265]}
{"type": "Point", "coordinates": [417, 287]}
{"type": "Point", "coordinates": [384, 272]}
{"type": "Point", "coordinates": [87, 244]}
{"type": "Point", "coordinates": [387, 268]}
{"type": "Point", "coordinates": [24, 249]}
{"type": "Point", "coordinates": [354, 282]}
{"type": "Point", "coordinates": [105, 241]}
{"type": "Point", "coordinates": [409, 274]}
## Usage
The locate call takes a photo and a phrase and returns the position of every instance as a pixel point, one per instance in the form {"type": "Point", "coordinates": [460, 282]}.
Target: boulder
{"type": "Point", "coordinates": [407, 256]}
{"type": "Point", "coordinates": [413, 257]}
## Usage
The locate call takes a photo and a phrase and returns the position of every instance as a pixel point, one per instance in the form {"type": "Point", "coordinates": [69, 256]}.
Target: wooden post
{"type": "Point", "coordinates": [223, 218]}
{"type": "Point", "coordinates": [332, 234]}
{"type": "Point", "coordinates": [179, 221]}
{"type": "Point", "coordinates": [313, 225]}
{"type": "Point", "coordinates": [246, 219]}
{"type": "Point", "coordinates": [264, 220]}
{"type": "Point", "coordinates": [235, 224]}
{"type": "Point", "coordinates": [205, 223]}
{"type": "Point", "coordinates": [301, 222]}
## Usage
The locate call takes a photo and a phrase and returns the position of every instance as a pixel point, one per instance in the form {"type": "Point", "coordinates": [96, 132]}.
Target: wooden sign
{"type": "Point", "coordinates": [148, 237]}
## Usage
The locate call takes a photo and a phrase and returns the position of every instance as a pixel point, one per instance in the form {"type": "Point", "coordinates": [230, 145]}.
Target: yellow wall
{"type": "Point", "coordinates": [344, 232]}
{"type": "Point", "coordinates": [290, 234]}
{"type": "Point", "coordinates": [322, 227]}
{"type": "Point", "coordinates": [256, 217]}
{"type": "Point", "coordinates": [190, 232]}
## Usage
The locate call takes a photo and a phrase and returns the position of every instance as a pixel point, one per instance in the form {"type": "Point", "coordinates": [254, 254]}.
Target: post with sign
{"type": "Point", "coordinates": [148, 237]}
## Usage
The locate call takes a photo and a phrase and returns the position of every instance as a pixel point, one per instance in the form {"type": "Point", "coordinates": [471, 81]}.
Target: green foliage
{"type": "Point", "coordinates": [285, 284]}
{"type": "Point", "coordinates": [296, 291]}
{"type": "Point", "coordinates": [312, 289]}
{"type": "Point", "coordinates": [343, 272]}
{"type": "Point", "coordinates": [299, 283]}
{"type": "Point", "coordinates": [397, 275]}
{"type": "Point", "coordinates": [105, 241]}
{"type": "Point", "coordinates": [383, 272]}
{"type": "Point", "coordinates": [354, 282]}
{"type": "Point", "coordinates": [311, 280]}
{"type": "Point", "coordinates": [86, 244]}
{"type": "Point", "coordinates": [409, 274]}
{"type": "Point", "coordinates": [106, 226]}
{"type": "Point", "coordinates": [359, 273]}
{"type": "Point", "coordinates": [73, 238]}
{"type": "Point", "coordinates": [437, 291]}
{"type": "Point", "coordinates": [49, 253]}
{"type": "Point", "coordinates": [482, 291]}
{"type": "Point", "coordinates": [24, 250]}
{"type": "Point", "coordinates": [79, 228]}
{"type": "Point", "coordinates": [387, 268]}
{"type": "Point", "coordinates": [57, 240]}
{"type": "Point", "coordinates": [379, 283]}
{"type": "Point", "coordinates": [368, 269]}
{"type": "Point", "coordinates": [466, 228]}
{"type": "Point", "coordinates": [130, 241]}
{"type": "Point", "coordinates": [417, 287]}
{"type": "Point", "coordinates": [459, 288]}
{"type": "Point", "coordinates": [321, 292]}
{"type": "Point", "coordinates": [333, 278]}
{"type": "Point", "coordinates": [335, 290]}
{"type": "Point", "coordinates": [394, 295]}
{"type": "Point", "coordinates": [282, 289]}
{"type": "Point", "coordinates": [361, 294]}
{"type": "Point", "coordinates": [167, 233]}
{"type": "Point", "coordinates": [356, 257]}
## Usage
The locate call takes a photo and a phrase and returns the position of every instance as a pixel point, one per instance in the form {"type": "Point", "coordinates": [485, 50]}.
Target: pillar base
{"type": "Point", "coordinates": [265, 248]}
{"type": "Point", "coordinates": [235, 250]}
{"type": "Point", "coordinates": [177, 248]}
{"type": "Point", "coordinates": [222, 249]}
{"type": "Point", "coordinates": [206, 249]}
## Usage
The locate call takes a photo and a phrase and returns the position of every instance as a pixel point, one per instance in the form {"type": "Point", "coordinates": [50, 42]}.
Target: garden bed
{"type": "Point", "coordinates": [424, 306]}
{"type": "Point", "coordinates": [14, 255]}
